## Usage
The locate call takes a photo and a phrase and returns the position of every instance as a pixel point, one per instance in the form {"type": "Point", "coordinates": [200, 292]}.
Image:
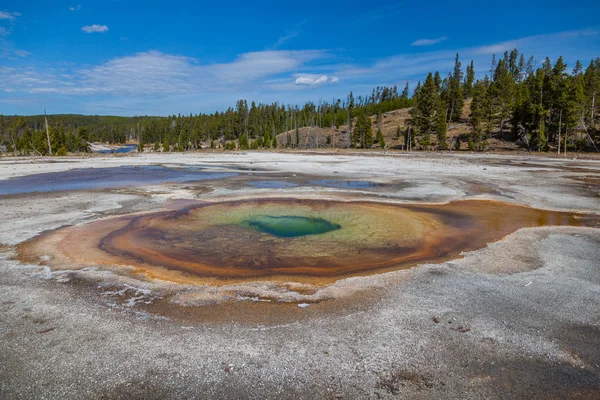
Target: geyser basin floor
{"type": "Point", "coordinates": [533, 333]}
{"type": "Point", "coordinates": [215, 244]}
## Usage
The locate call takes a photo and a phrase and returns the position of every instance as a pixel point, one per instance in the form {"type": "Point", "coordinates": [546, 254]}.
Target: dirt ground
{"type": "Point", "coordinates": [519, 318]}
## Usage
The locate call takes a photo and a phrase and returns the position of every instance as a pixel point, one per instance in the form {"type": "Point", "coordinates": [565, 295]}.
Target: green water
{"type": "Point", "coordinates": [290, 226]}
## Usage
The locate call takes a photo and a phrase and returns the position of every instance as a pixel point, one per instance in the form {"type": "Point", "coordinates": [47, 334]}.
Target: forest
{"type": "Point", "coordinates": [541, 108]}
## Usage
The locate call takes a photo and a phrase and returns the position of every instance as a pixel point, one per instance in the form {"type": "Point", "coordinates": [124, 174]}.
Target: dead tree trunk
{"type": "Point", "coordinates": [559, 128]}
{"type": "Point", "coordinates": [589, 136]}
{"type": "Point", "coordinates": [47, 133]}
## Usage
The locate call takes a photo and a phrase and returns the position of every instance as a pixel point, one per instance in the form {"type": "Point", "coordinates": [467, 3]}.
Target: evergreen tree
{"type": "Point", "coordinates": [437, 80]}
{"type": "Point", "coordinates": [478, 116]}
{"type": "Point", "coordinates": [405, 92]}
{"type": "Point", "coordinates": [469, 80]}
{"type": "Point", "coordinates": [592, 90]}
{"type": "Point", "coordinates": [363, 132]}
{"type": "Point", "coordinates": [427, 114]}
{"type": "Point", "coordinates": [501, 92]}
{"type": "Point", "coordinates": [244, 142]}
{"type": "Point", "coordinates": [441, 126]}
{"type": "Point", "coordinates": [379, 138]}
{"type": "Point", "coordinates": [455, 93]}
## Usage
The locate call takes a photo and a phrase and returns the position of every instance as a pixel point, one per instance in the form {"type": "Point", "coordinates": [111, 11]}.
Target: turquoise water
{"type": "Point", "coordinates": [290, 226]}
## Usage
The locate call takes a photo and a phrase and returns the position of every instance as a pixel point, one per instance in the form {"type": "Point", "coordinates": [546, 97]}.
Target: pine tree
{"type": "Point", "coordinates": [469, 80]}
{"type": "Point", "coordinates": [501, 92]}
{"type": "Point", "coordinates": [437, 80]}
{"type": "Point", "coordinates": [379, 138]}
{"type": "Point", "coordinates": [479, 107]}
{"type": "Point", "coordinates": [455, 94]}
{"type": "Point", "coordinates": [576, 104]}
{"type": "Point", "coordinates": [405, 92]}
{"type": "Point", "coordinates": [244, 142]}
{"type": "Point", "coordinates": [441, 126]}
{"type": "Point", "coordinates": [559, 98]}
{"type": "Point", "coordinates": [592, 91]}
{"type": "Point", "coordinates": [363, 132]}
{"type": "Point", "coordinates": [427, 114]}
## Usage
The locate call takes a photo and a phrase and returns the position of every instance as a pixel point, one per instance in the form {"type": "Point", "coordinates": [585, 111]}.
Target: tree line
{"type": "Point", "coordinates": [542, 108]}
{"type": "Point", "coordinates": [243, 126]}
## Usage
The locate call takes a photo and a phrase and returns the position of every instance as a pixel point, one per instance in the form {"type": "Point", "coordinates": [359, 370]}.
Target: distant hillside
{"type": "Point", "coordinates": [390, 121]}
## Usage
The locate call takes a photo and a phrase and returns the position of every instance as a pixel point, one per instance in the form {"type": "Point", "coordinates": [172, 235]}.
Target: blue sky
{"type": "Point", "coordinates": [126, 57]}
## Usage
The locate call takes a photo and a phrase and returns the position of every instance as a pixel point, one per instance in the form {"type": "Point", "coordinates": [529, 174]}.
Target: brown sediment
{"type": "Point", "coordinates": [202, 243]}
{"type": "Point", "coordinates": [593, 180]}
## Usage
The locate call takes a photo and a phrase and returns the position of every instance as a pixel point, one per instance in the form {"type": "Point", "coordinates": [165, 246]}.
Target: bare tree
{"type": "Point", "coordinates": [47, 133]}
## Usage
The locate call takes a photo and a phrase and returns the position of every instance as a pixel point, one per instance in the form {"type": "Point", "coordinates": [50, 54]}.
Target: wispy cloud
{"type": "Point", "coordinates": [95, 28]}
{"type": "Point", "coordinates": [501, 47]}
{"type": "Point", "coordinates": [21, 53]}
{"type": "Point", "coordinates": [286, 38]}
{"type": "Point", "coordinates": [158, 74]}
{"type": "Point", "coordinates": [260, 64]}
{"type": "Point", "coordinates": [314, 79]}
{"type": "Point", "coordinates": [9, 15]}
{"type": "Point", "coordinates": [76, 8]}
{"type": "Point", "coordinates": [289, 35]}
{"type": "Point", "coordinates": [428, 42]}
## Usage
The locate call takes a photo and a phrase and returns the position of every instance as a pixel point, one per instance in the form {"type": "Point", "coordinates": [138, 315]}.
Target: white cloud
{"type": "Point", "coordinates": [95, 28]}
{"type": "Point", "coordinates": [154, 73]}
{"type": "Point", "coordinates": [77, 8]}
{"type": "Point", "coordinates": [289, 35]}
{"type": "Point", "coordinates": [254, 65]}
{"type": "Point", "coordinates": [501, 47]}
{"type": "Point", "coordinates": [9, 15]}
{"type": "Point", "coordinates": [7, 50]}
{"type": "Point", "coordinates": [21, 53]}
{"type": "Point", "coordinates": [286, 38]}
{"type": "Point", "coordinates": [314, 79]}
{"type": "Point", "coordinates": [4, 32]}
{"type": "Point", "coordinates": [428, 42]}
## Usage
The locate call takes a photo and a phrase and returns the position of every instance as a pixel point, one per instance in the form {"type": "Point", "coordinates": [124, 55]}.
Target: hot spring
{"type": "Point", "coordinates": [312, 241]}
